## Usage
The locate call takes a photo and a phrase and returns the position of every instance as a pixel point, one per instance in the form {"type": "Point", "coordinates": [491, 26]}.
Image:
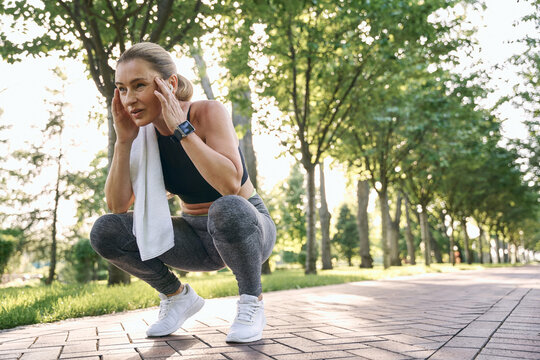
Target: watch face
{"type": "Point", "coordinates": [186, 128]}
{"type": "Point", "coordinates": [183, 130]}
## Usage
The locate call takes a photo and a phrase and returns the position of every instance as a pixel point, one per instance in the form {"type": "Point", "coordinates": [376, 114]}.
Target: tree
{"type": "Point", "coordinates": [317, 96]}
{"type": "Point", "coordinates": [96, 32]}
{"type": "Point", "coordinates": [527, 94]}
{"type": "Point", "coordinates": [287, 205]}
{"type": "Point", "coordinates": [346, 236]}
{"type": "Point", "coordinates": [36, 216]}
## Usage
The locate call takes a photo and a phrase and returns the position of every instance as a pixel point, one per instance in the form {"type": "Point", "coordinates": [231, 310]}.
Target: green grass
{"type": "Point", "coordinates": [41, 304]}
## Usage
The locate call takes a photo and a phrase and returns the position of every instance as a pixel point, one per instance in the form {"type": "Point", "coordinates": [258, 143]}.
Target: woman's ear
{"type": "Point", "coordinates": [173, 83]}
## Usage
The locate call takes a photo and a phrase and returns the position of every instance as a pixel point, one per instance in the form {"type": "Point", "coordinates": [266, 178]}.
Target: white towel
{"type": "Point", "coordinates": [152, 223]}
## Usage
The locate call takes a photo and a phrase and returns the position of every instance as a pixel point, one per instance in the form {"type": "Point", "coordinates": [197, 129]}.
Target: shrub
{"type": "Point", "coordinates": [86, 263]}
{"type": "Point", "coordinates": [7, 249]}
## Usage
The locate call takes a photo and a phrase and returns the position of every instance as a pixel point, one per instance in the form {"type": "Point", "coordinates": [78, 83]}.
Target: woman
{"type": "Point", "coordinates": [223, 223]}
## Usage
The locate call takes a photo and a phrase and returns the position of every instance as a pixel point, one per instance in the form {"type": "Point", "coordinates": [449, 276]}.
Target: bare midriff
{"type": "Point", "coordinates": [202, 209]}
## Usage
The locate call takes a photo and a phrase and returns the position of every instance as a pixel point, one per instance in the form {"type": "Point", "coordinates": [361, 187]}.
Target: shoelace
{"type": "Point", "coordinates": [246, 312]}
{"type": "Point", "coordinates": [164, 308]}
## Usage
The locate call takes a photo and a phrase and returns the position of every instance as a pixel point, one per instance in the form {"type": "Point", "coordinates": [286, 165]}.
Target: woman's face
{"type": "Point", "coordinates": [135, 82]}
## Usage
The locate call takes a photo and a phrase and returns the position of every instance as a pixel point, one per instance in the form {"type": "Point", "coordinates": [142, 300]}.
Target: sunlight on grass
{"type": "Point", "coordinates": [40, 304]}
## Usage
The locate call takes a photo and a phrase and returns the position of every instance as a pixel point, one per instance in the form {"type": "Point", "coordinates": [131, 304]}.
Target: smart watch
{"type": "Point", "coordinates": [183, 130]}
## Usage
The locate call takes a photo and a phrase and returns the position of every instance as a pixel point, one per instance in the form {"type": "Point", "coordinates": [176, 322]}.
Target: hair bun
{"type": "Point", "coordinates": [184, 92]}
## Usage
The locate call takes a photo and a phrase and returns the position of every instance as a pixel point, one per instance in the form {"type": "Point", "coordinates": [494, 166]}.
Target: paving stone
{"type": "Point", "coordinates": [315, 355]}
{"type": "Point", "coordinates": [248, 355]}
{"type": "Point", "coordinates": [491, 357]}
{"type": "Point", "coordinates": [467, 342]}
{"type": "Point", "coordinates": [113, 340]}
{"type": "Point", "coordinates": [424, 354]}
{"type": "Point", "coordinates": [275, 349]}
{"type": "Point", "coordinates": [122, 356]}
{"type": "Point", "coordinates": [161, 351]}
{"type": "Point", "coordinates": [379, 354]}
{"type": "Point", "coordinates": [348, 340]}
{"type": "Point", "coordinates": [78, 356]}
{"type": "Point", "coordinates": [408, 339]}
{"type": "Point", "coordinates": [480, 328]}
{"type": "Point", "coordinates": [448, 353]}
{"type": "Point", "coordinates": [11, 356]}
{"type": "Point", "coordinates": [395, 346]}
{"type": "Point", "coordinates": [205, 357]}
{"type": "Point", "coordinates": [16, 345]}
{"type": "Point", "coordinates": [511, 353]}
{"type": "Point", "coordinates": [517, 347]}
{"type": "Point", "coordinates": [503, 341]}
{"type": "Point", "coordinates": [299, 343]}
{"type": "Point", "coordinates": [48, 353]}
{"type": "Point", "coordinates": [80, 346]}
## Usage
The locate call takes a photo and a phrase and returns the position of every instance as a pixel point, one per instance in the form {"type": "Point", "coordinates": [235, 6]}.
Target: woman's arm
{"type": "Point", "coordinates": [217, 159]}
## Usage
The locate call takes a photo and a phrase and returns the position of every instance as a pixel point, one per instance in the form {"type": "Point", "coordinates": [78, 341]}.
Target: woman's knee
{"type": "Point", "coordinates": [105, 234]}
{"type": "Point", "coordinates": [232, 215]}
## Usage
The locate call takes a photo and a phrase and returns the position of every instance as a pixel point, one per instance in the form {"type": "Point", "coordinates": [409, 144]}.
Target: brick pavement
{"type": "Point", "coordinates": [491, 314]}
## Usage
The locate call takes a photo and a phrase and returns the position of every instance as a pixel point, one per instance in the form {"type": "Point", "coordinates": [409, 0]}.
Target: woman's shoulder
{"type": "Point", "coordinates": [208, 109]}
{"type": "Point", "coordinates": [207, 105]}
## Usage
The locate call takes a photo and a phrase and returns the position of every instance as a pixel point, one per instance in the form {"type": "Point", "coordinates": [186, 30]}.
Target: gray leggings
{"type": "Point", "coordinates": [237, 233]}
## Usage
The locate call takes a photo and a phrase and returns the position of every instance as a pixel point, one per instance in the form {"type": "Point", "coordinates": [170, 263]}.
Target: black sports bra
{"type": "Point", "coordinates": [180, 175]}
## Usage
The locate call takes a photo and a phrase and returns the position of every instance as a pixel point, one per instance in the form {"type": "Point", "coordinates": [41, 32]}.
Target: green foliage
{"type": "Point", "coordinates": [85, 262]}
{"type": "Point", "coordinates": [346, 236]}
{"type": "Point", "coordinates": [88, 189]}
{"type": "Point", "coordinates": [287, 205]}
{"type": "Point", "coordinates": [7, 249]}
{"type": "Point", "coordinates": [102, 30]}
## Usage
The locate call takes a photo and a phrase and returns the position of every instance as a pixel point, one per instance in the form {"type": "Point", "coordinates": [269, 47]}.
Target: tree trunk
{"type": "Point", "coordinates": [240, 120]}
{"type": "Point", "coordinates": [497, 248]}
{"type": "Point", "coordinates": [311, 245]}
{"type": "Point", "coordinates": [196, 53]}
{"type": "Point", "coordinates": [424, 227]}
{"type": "Point", "coordinates": [480, 246]}
{"type": "Point", "coordinates": [452, 242]}
{"type": "Point", "coordinates": [394, 234]}
{"type": "Point", "coordinates": [522, 257]}
{"type": "Point", "coordinates": [116, 276]}
{"type": "Point", "coordinates": [512, 253]}
{"type": "Point", "coordinates": [366, 261]}
{"type": "Point", "coordinates": [52, 267]}
{"type": "Point", "coordinates": [488, 240]}
{"type": "Point", "coordinates": [324, 216]}
{"type": "Point", "coordinates": [408, 235]}
{"type": "Point", "coordinates": [468, 257]}
{"type": "Point", "coordinates": [385, 226]}
{"type": "Point", "coordinates": [435, 247]}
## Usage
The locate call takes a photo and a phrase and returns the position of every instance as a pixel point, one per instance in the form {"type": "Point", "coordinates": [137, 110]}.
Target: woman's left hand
{"type": "Point", "coordinates": [170, 106]}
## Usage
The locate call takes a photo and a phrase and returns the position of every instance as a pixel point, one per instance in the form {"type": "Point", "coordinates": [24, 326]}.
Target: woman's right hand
{"type": "Point", "coordinates": [126, 129]}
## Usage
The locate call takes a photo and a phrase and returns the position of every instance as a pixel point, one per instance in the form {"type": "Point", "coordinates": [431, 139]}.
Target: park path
{"type": "Point", "coordinates": [486, 315]}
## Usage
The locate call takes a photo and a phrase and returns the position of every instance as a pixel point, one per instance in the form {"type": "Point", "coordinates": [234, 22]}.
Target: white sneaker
{"type": "Point", "coordinates": [174, 310]}
{"type": "Point", "coordinates": [249, 322]}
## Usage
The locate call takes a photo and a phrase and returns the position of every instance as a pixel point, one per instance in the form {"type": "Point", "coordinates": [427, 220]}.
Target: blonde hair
{"type": "Point", "coordinates": [160, 60]}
